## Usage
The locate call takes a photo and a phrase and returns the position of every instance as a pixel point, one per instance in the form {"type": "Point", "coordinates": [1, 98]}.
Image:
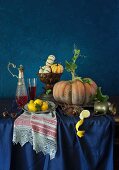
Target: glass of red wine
{"type": "Point", "coordinates": [32, 82]}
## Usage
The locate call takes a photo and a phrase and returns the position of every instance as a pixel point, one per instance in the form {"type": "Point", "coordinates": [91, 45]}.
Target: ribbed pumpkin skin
{"type": "Point", "coordinates": [74, 92]}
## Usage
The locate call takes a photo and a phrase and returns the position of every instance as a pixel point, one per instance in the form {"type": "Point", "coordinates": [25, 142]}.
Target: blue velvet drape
{"type": "Point", "coordinates": [6, 126]}
{"type": "Point", "coordinates": [92, 152]}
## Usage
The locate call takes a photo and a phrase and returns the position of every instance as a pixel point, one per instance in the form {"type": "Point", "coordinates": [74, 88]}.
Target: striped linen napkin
{"type": "Point", "coordinates": [38, 129]}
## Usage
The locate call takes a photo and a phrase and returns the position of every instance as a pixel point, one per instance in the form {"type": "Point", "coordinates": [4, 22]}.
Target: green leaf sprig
{"type": "Point", "coordinates": [48, 91]}
{"type": "Point", "coordinates": [101, 97]}
{"type": "Point", "coordinates": [71, 66]}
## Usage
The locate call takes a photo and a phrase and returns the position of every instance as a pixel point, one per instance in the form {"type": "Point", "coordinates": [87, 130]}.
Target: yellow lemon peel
{"type": "Point", "coordinates": [79, 123]}
{"type": "Point", "coordinates": [80, 133]}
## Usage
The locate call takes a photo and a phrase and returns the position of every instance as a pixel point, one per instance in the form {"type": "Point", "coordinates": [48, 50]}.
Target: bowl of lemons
{"type": "Point", "coordinates": [38, 106]}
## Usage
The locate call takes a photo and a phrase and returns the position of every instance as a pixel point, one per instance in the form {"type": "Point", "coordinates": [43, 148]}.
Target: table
{"type": "Point", "coordinates": [92, 152]}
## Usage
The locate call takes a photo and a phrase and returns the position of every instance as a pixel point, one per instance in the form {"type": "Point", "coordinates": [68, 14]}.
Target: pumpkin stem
{"type": "Point", "coordinates": [73, 75]}
{"type": "Point", "coordinates": [78, 78]}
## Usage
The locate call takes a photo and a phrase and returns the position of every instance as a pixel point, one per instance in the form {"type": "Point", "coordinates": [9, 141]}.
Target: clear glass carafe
{"type": "Point", "coordinates": [21, 92]}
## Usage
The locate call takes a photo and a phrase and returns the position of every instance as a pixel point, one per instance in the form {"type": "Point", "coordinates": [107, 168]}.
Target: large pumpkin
{"type": "Point", "coordinates": [75, 92]}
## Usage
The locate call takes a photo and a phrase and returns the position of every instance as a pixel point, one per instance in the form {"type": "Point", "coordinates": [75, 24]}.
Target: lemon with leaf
{"type": "Point", "coordinates": [31, 101]}
{"type": "Point", "coordinates": [32, 107]}
{"type": "Point", "coordinates": [44, 106]}
{"type": "Point", "coordinates": [38, 102]}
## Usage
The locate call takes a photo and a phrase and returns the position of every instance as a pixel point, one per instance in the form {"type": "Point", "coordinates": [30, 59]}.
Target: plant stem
{"type": "Point", "coordinates": [73, 75]}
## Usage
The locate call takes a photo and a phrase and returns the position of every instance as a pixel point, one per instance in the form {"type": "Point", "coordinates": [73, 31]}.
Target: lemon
{"type": "Point", "coordinates": [32, 107]}
{"type": "Point", "coordinates": [31, 101]}
{"type": "Point", "coordinates": [38, 101]}
{"type": "Point", "coordinates": [44, 106]}
{"type": "Point", "coordinates": [84, 114]}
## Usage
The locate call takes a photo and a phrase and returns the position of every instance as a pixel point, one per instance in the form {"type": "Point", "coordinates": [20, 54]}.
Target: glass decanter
{"type": "Point", "coordinates": [21, 92]}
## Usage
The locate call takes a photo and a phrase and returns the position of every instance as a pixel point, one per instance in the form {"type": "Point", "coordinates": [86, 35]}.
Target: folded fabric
{"type": "Point", "coordinates": [38, 129]}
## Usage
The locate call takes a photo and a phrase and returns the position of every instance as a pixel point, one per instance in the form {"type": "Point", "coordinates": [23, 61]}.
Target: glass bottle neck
{"type": "Point", "coordinates": [21, 81]}
{"type": "Point", "coordinates": [21, 76]}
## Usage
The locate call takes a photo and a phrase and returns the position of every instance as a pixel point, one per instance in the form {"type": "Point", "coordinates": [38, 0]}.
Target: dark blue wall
{"type": "Point", "coordinates": [30, 30]}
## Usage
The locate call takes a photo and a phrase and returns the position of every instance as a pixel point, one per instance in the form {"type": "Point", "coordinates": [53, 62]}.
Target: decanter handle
{"type": "Point", "coordinates": [8, 67]}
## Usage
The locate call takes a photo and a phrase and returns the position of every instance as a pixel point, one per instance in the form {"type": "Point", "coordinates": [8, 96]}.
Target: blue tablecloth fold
{"type": "Point", "coordinates": [6, 130]}
{"type": "Point", "coordinates": [92, 152]}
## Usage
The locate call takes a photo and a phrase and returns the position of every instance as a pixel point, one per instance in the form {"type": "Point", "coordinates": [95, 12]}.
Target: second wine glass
{"type": "Point", "coordinates": [32, 83]}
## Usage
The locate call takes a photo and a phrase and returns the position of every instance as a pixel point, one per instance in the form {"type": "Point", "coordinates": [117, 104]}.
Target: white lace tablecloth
{"type": "Point", "coordinates": [38, 129]}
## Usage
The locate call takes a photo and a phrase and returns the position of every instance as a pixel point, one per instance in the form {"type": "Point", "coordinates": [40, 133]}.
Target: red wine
{"type": "Point", "coordinates": [21, 100]}
{"type": "Point", "coordinates": [32, 92]}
